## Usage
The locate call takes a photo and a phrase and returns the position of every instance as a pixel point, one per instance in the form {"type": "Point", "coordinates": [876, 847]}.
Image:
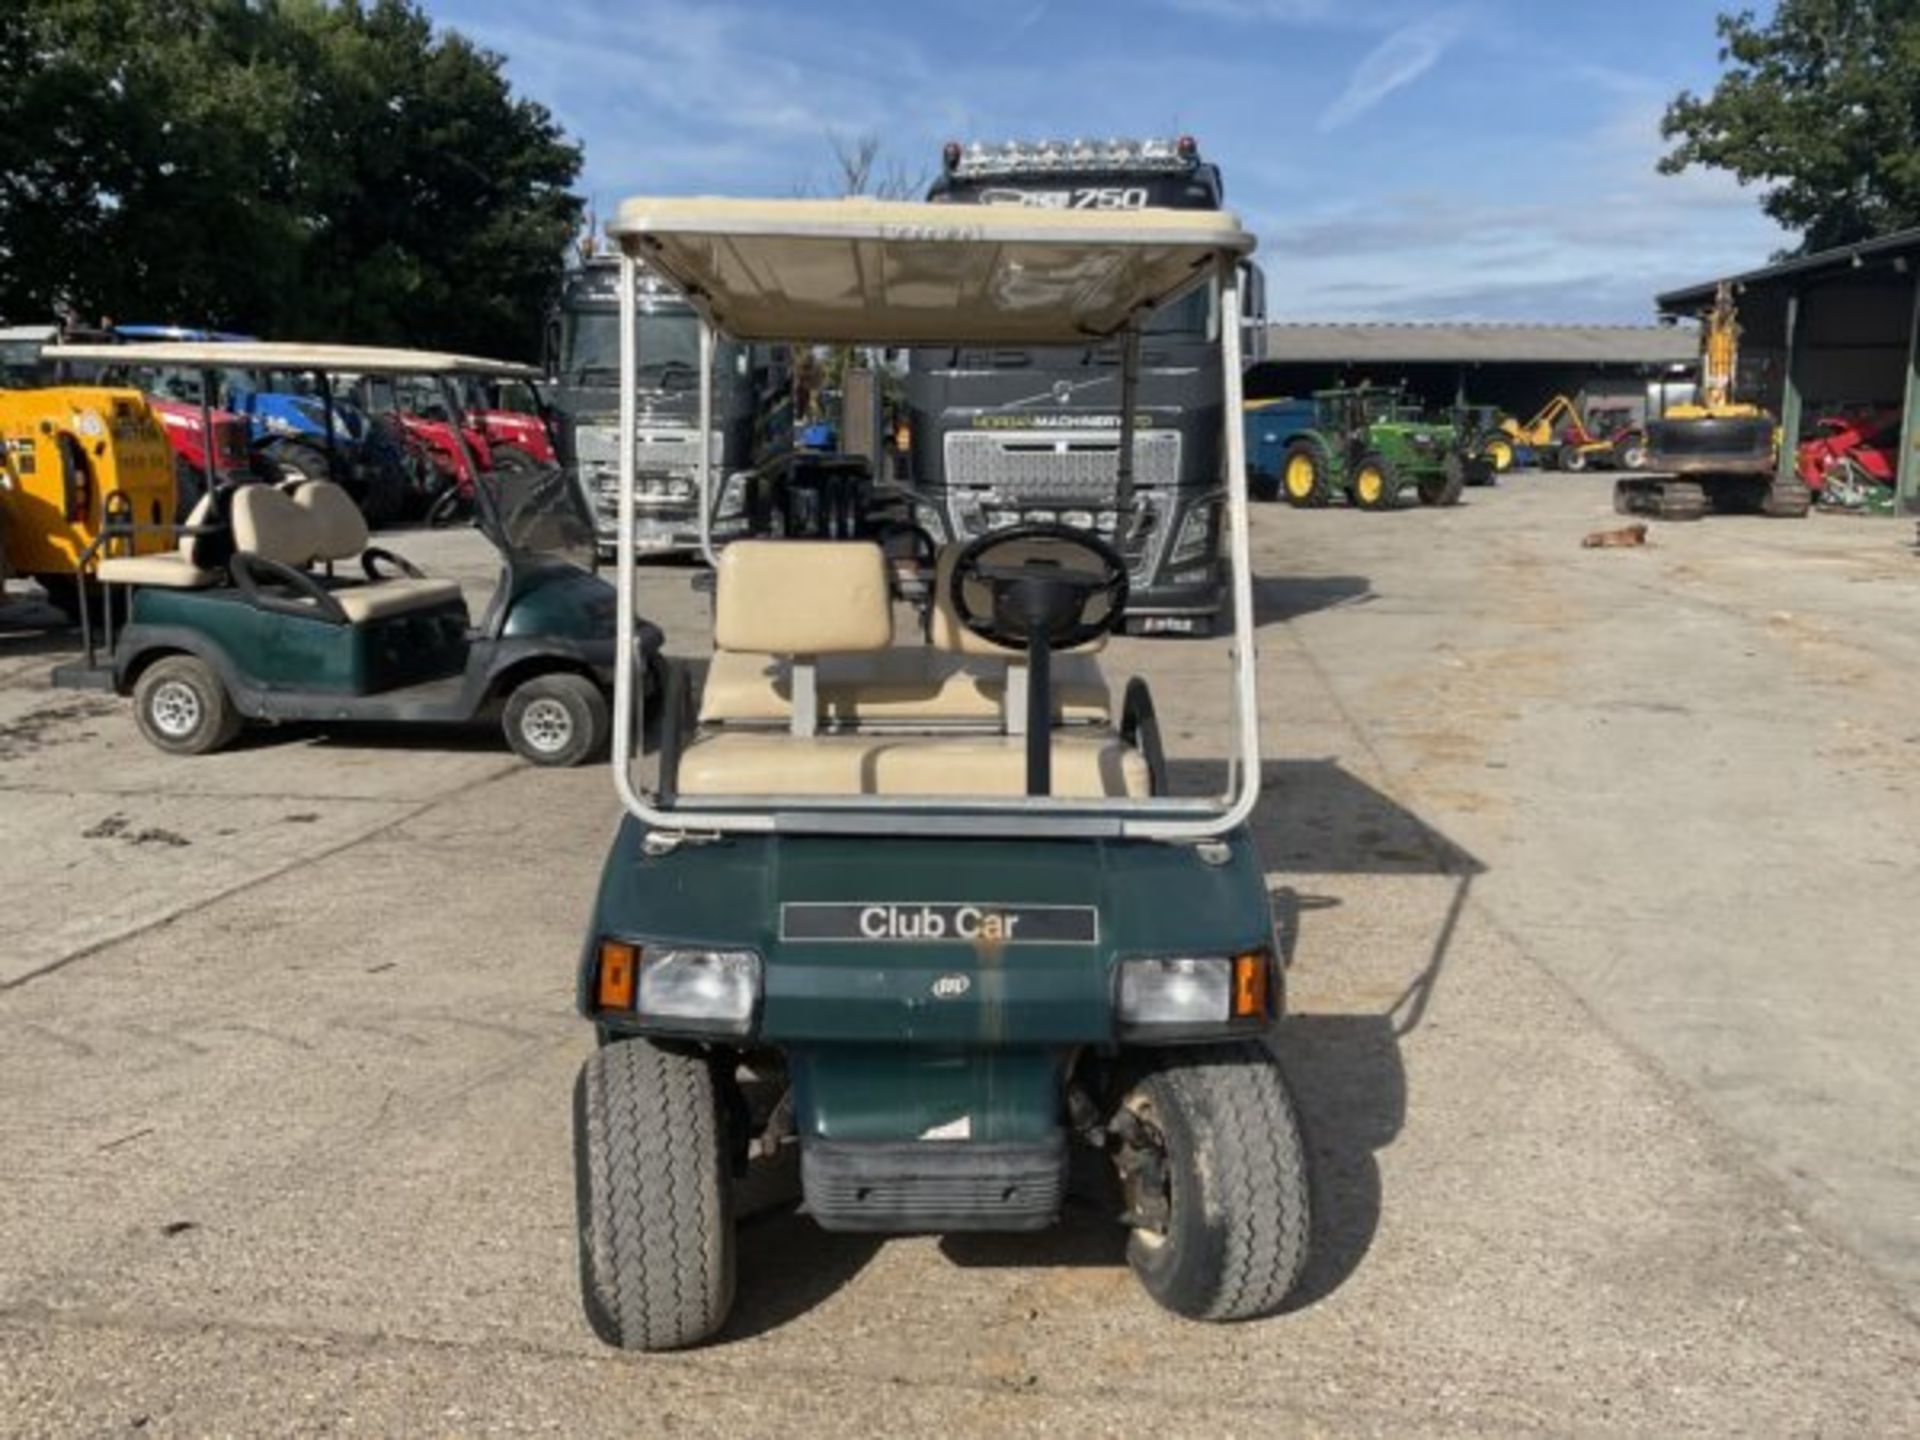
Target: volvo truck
{"type": "Point", "coordinates": [583, 363]}
{"type": "Point", "coordinates": [1003, 436]}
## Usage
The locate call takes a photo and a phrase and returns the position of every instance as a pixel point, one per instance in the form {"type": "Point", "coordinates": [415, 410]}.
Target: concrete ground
{"type": "Point", "coordinates": [1594, 866]}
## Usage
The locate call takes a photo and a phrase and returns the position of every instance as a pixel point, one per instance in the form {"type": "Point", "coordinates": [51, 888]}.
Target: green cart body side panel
{"type": "Point", "coordinates": [561, 602]}
{"type": "Point", "coordinates": [888, 1038]}
{"type": "Point", "coordinates": [274, 651]}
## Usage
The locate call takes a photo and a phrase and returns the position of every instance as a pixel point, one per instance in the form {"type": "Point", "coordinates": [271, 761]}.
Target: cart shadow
{"type": "Point", "coordinates": [1345, 1069]}
{"type": "Point", "coordinates": [1280, 598]}
{"type": "Point", "coordinates": [787, 1266]}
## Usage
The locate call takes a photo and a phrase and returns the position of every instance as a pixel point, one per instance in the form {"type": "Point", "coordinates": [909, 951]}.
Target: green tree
{"type": "Point", "coordinates": [299, 168]}
{"type": "Point", "coordinates": [1818, 105]}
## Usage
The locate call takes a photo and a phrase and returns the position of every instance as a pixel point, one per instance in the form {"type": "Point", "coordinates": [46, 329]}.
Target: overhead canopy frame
{"type": "Point", "coordinates": [278, 355]}
{"type": "Point", "coordinates": [883, 272]}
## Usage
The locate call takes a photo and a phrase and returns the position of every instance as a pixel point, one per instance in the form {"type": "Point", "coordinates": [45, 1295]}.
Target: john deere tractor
{"type": "Point", "coordinates": [1370, 443]}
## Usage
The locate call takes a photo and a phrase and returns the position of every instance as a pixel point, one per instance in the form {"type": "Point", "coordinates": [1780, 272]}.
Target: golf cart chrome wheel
{"type": "Point", "coordinates": [181, 706]}
{"type": "Point", "coordinates": [175, 709]}
{"type": "Point", "coordinates": [557, 719]}
{"type": "Point", "coordinates": [1214, 1177]}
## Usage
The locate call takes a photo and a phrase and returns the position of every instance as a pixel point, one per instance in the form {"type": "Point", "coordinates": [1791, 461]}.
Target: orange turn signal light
{"type": "Point", "coordinates": [1250, 985]}
{"type": "Point", "coordinates": [619, 964]}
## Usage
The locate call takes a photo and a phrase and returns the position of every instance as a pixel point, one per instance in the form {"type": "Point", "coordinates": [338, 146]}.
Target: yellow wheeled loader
{"type": "Point", "coordinates": [74, 460]}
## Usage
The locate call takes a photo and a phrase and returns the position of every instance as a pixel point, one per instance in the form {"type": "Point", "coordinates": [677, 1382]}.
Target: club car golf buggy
{"type": "Point", "coordinates": [925, 913]}
{"type": "Point", "coordinates": [274, 607]}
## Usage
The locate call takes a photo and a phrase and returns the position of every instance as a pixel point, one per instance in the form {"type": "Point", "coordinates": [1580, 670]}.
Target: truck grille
{"type": "Point", "coordinates": [653, 451]}
{"type": "Point", "coordinates": [1054, 465]}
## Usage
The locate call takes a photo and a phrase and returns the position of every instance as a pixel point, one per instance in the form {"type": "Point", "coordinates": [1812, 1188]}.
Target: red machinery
{"type": "Point", "coordinates": [1851, 457]}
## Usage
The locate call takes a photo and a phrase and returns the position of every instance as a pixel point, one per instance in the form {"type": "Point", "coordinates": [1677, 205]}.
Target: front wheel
{"type": "Point", "coordinates": [653, 1190]}
{"type": "Point", "coordinates": [1376, 484]}
{"type": "Point", "coordinates": [182, 708]}
{"type": "Point", "coordinates": [1215, 1177]}
{"type": "Point", "coordinates": [557, 720]}
{"type": "Point", "coordinates": [1303, 476]}
{"type": "Point", "coordinates": [1573, 459]}
{"type": "Point", "coordinates": [1445, 487]}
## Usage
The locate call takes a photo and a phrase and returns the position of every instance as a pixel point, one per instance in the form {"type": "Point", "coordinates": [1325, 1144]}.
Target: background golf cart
{"type": "Point", "coordinates": [931, 1076]}
{"type": "Point", "coordinates": [256, 616]}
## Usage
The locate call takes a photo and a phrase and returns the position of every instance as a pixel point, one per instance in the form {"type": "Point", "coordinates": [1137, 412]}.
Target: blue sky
{"type": "Point", "coordinates": [1485, 160]}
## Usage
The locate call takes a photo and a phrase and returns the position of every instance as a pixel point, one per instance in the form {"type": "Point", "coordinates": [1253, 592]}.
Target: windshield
{"type": "Point", "coordinates": [539, 513]}
{"type": "Point", "coordinates": [668, 348]}
{"type": "Point", "coordinates": [1190, 315]}
{"type": "Point", "coordinates": [20, 362]}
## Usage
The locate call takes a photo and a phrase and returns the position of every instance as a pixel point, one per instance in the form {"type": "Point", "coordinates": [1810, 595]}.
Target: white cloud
{"type": "Point", "coordinates": [1396, 62]}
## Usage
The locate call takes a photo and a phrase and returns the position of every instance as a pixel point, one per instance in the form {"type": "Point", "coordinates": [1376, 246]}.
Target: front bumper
{"type": "Point", "coordinates": [934, 1186]}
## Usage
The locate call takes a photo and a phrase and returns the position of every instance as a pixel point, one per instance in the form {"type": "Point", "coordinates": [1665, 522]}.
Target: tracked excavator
{"type": "Point", "coordinates": [1717, 454]}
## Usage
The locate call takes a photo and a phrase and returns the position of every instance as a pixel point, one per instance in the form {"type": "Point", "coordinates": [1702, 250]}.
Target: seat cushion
{"type": "Point", "coordinates": [904, 684]}
{"type": "Point", "coordinates": [171, 571]}
{"type": "Point", "coordinates": [747, 763]}
{"type": "Point", "coordinates": [385, 598]}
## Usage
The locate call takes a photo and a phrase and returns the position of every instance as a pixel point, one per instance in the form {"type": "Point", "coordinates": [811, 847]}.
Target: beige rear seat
{"type": "Point", "coordinates": [180, 569]}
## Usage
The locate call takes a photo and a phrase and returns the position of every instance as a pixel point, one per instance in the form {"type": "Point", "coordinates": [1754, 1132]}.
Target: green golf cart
{"type": "Point", "coordinates": [275, 608]}
{"type": "Point", "coordinates": [926, 913]}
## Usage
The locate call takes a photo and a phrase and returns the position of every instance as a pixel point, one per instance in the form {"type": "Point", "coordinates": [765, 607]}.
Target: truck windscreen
{"type": "Point", "coordinates": [668, 348]}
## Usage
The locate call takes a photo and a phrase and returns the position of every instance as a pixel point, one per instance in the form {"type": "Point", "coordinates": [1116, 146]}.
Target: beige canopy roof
{"type": "Point", "coordinates": [276, 355]}
{"type": "Point", "coordinates": [893, 272]}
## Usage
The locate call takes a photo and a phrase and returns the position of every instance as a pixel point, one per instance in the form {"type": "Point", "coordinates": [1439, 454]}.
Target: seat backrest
{"type": "Point", "coordinates": [803, 597]}
{"type": "Point", "coordinates": [947, 631]}
{"type": "Point", "coordinates": [203, 552]}
{"type": "Point", "coordinates": [268, 524]}
{"type": "Point", "coordinates": [340, 530]}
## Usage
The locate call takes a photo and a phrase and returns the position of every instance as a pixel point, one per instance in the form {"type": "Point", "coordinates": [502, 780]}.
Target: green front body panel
{"type": "Point", "coordinates": [888, 1038]}
{"type": "Point", "coordinates": [272, 651]}
{"type": "Point", "coordinates": [561, 602]}
{"type": "Point", "coordinates": [1396, 443]}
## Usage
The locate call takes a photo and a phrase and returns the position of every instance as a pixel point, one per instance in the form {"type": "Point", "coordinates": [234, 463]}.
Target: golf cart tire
{"type": "Point", "coordinates": [559, 719]}
{"type": "Point", "coordinates": [1236, 1239]}
{"type": "Point", "coordinates": [1310, 460]}
{"type": "Point", "coordinates": [187, 686]}
{"type": "Point", "coordinates": [652, 1185]}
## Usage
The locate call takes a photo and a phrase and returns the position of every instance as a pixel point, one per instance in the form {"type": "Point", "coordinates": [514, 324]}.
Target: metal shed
{"type": "Point", "coordinates": [1836, 328]}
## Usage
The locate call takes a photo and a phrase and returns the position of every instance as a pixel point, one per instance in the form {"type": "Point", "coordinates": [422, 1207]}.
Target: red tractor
{"type": "Point", "coordinates": [1852, 461]}
{"type": "Point", "coordinates": [413, 413]}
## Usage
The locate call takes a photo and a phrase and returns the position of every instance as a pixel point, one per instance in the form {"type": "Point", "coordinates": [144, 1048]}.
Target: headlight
{"type": "Point", "coordinates": [680, 988]}
{"type": "Point", "coordinates": [1195, 537]}
{"type": "Point", "coordinates": [1187, 992]}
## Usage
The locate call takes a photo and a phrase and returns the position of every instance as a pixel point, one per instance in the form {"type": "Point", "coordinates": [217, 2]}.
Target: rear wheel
{"type": "Point", "coordinates": [652, 1186]}
{"type": "Point", "coordinates": [295, 460]}
{"type": "Point", "coordinates": [1214, 1174]}
{"type": "Point", "coordinates": [1500, 452]}
{"type": "Point", "coordinates": [1375, 484]}
{"type": "Point", "coordinates": [182, 708]}
{"type": "Point", "coordinates": [1303, 476]}
{"type": "Point", "coordinates": [1573, 459]}
{"type": "Point", "coordinates": [557, 720]}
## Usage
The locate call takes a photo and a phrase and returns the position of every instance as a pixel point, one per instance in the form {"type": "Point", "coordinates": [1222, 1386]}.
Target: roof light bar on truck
{"type": "Point", "coordinates": [981, 160]}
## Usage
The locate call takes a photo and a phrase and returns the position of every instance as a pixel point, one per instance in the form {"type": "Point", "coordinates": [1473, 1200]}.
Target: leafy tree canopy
{"type": "Point", "coordinates": [311, 169]}
{"type": "Point", "coordinates": [1820, 104]}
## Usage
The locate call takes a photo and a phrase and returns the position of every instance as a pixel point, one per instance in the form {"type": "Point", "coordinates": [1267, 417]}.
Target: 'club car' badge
{"type": "Point", "coordinates": [937, 923]}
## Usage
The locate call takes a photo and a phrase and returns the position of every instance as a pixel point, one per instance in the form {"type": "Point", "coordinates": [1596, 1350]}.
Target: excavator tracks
{"type": "Point", "coordinates": [1660, 499]}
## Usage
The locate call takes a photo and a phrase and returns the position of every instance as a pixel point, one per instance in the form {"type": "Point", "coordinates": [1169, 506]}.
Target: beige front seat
{"type": "Point", "coordinates": [319, 522]}
{"type": "Point", "coordinates": [340, 533]}
{"type": "Point", "coordinates": [957, 679]}
{"type": "Point", "coordinates": [808, 606]}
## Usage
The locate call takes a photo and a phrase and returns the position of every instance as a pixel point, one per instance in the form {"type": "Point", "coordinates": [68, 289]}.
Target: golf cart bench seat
{"type": "Point", "coordinates": [318, 522]}
{"type": "Point", "coordinates": [786, 607]}
{"type": "Point", "coordinates": [1085, 766]}
{"type": "Point", "coordinates": [956, 678]}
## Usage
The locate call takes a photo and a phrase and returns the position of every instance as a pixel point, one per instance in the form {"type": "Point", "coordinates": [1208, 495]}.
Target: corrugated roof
{"type": "Point", "coordinates": [1469, 344]}
{"type": "Point", "coordinates": [1694, 298]}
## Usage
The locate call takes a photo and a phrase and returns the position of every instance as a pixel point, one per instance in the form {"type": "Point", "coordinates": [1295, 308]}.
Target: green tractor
{"type": "Point", "coordinates": [1371, 443]}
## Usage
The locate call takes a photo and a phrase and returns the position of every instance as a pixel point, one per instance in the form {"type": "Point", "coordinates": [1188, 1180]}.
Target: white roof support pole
{"type": "Point", "coordinates": [703, 483]}
{"type": "Point", "coordinates": [1129, 392]}
{"type": "Point", "coordinates": [624, 678]}
{"type": "Point", "coordinates": [1246, 674]}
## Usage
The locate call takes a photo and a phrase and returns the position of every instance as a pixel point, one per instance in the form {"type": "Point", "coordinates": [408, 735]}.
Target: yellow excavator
{"type": "Point", "coordinates": [1717, 453]}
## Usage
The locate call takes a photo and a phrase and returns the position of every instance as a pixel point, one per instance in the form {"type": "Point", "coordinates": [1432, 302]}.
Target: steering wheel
{"type": "Point", "coordinates": [1049, 582]}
